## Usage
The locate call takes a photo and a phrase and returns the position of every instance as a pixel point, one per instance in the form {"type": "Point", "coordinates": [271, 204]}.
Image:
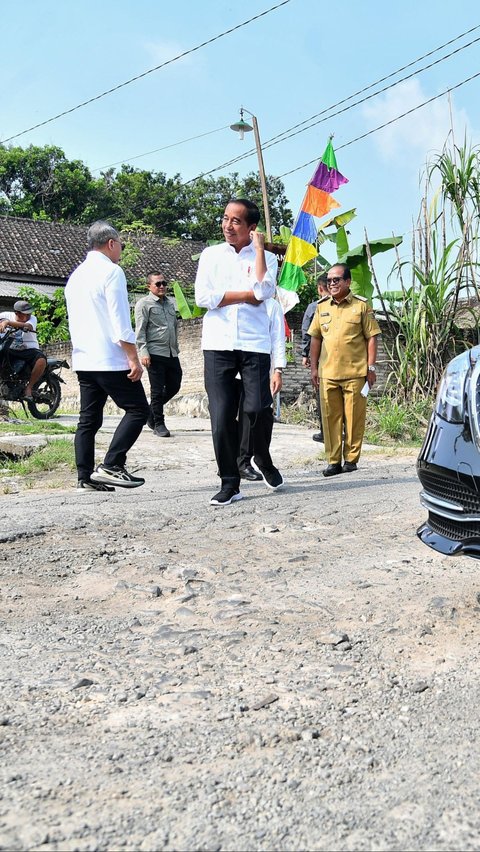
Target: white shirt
{"type": "Point", "coordinates": [277, 333]}
{"type": "Point", "coordinates": [244, 327]}
{"type": "Point", "coordinates": [26, 339]}
{"type": "Point", "coordinates": [98, 314]}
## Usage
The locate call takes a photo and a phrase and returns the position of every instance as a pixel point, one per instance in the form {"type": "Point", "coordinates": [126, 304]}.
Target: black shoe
{"type": "Point", "coordinates": [150, 422]}
{"type": "Point", "coordinates": [272, 477]}
{"type": "Point", "coordinates": [226, 496]}
{"type": "Point", "coordinates": [247, 472]}
{"type": "Point", "coordinates": [88, 485]}
{"type": "Point", "coordinates": [116, 476]}
{"type": "Point", "coordinates": [332, 470]}
{"type": "Point", "coordinates": [318, 436]}
{"type": "Point", "coordinates": [349, 467]}
{"type": "Point", "coordinates": [161, 431]}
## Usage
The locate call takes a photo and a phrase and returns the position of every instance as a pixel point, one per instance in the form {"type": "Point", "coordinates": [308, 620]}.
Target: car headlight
{"type": "Point", "coordinates": [451, 394]}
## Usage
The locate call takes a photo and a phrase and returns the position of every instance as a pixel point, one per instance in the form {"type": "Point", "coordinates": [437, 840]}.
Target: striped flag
{"type": "Point", "coordinates": [318, 201]}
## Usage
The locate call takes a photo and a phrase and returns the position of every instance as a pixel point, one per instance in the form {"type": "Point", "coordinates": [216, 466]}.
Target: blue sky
{"type": "Point", "coordinates": [285, 67]}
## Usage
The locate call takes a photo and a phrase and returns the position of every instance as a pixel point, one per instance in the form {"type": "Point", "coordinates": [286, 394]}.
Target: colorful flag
{"type": "Point", "coordinates": [301, 248]}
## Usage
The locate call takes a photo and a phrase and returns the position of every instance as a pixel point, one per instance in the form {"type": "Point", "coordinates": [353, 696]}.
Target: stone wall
{"type": "Point", "coordinates": [191, 400]}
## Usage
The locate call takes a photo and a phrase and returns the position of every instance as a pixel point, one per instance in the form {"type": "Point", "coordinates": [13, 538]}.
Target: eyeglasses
{"type": "Point", "coordinates": [159, 283]}
{"type": "Point", "coordinates": [335, 280]}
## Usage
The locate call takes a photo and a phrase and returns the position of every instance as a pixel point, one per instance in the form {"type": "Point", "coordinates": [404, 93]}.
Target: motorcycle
{"type": "Point", "coordinates": [47, 392]}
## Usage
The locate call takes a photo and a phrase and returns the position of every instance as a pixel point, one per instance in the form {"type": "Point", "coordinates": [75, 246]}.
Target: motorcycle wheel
{"type": "Point", "coordinates": [46, 397]}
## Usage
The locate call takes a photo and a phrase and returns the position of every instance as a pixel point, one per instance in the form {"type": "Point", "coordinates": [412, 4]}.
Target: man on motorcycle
{"type": "Point", "coordinates": [26, 349]}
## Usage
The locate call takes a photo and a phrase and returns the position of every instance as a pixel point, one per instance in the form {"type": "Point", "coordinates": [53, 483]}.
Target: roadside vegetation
{"type": "Point", "coordinates": [390, 423]}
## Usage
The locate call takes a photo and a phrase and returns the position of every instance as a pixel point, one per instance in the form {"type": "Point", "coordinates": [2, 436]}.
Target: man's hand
{"type": "Point", "coordinates": [136, 370]}
{"type": "Point", "coordinates": [314, 375]}
{"type": "Point", "coordinates": [306, 361]}
{"type": "Point", "coordinates": [258, 239]}
{"type": "Point", "coordinates": [275, 383]}
{"type": "Point", "coordinates": [146, 360]}
{"type": "Point", "coordinates": [250, 299]}
{"type": "Point", "coordinates": [371, 378]}
{"type": "Point", "coordinates": [3, 325]}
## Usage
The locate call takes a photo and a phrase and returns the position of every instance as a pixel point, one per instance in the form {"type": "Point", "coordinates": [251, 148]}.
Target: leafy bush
{"type": "Point", "coordinates": [51, 314]}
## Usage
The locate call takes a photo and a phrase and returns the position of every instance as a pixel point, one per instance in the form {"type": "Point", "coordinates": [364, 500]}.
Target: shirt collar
{"type": "Point", "coordinates": [243, 251]}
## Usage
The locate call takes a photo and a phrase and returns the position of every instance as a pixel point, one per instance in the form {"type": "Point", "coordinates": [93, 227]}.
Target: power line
{"type": "Point", "coordinates": [145, 73]}
{"type": "Point", "coordinates": [283, 137]}
{"type": "Point", "coordinates": [273, 139]}
{"type": "Point", "coordinates": [387, 123]}
{"type": "Point", "coordinates": [164, 148]}
{"type": "Point", "coordinates": [352, 141]}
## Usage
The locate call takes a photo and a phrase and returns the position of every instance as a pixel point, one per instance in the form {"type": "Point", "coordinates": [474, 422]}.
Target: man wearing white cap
{"type": "Point", "coordinates": [25, 349]}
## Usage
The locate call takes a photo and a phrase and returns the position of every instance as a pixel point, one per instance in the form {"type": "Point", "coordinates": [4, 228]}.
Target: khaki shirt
{"type": "Point", "coordinates": [344, 329]}
{"type": "Point", "coordinates": [156, 327]}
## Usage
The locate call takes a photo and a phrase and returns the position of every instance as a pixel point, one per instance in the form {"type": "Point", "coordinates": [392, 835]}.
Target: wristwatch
{"type": "Point", "coordinates": [372, 368]}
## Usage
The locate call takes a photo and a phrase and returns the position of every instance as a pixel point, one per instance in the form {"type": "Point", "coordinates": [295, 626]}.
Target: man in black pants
{"type": "Point", "coordinates": [105, 358]}
{"type": "Point", "coordinates": [233, 281]}
{"type": "Point", "coordinates": [157, 342]}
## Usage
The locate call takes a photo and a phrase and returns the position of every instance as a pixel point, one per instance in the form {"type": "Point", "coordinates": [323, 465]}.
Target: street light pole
{"type": "Point", "coordinates": [242, 127]}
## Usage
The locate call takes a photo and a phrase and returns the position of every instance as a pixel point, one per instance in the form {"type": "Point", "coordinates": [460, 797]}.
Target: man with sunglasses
{"type": "Point", "coordinates": [157, 343]}
{"type": "Point", "coordinates": [105, 358]}
{"type": "Point", "coordinates": [343, 350]}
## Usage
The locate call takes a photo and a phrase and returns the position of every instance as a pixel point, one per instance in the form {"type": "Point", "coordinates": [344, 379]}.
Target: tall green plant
{"type": "Point", "coordinates": [51, 314]}
{"type": "Point", "coordinates": [442, 269]}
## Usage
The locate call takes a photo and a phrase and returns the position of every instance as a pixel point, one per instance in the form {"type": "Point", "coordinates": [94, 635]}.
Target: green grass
{"type": "Point", "coordinates": [389, 423]}
{"type": "Point", "coordinates": [35, 427]}
{"type": "Point", "coordinates": [58, 453]}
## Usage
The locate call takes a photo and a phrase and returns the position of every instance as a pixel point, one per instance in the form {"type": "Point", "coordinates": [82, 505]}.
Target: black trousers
{"type": "Point", "coordinates": [221, 368]}
{"type": "Point", "coordinates": [165, 376]}
{"type": "Point", "coordinates": [95, 388]}
{"type": "Point", "coordinates": [245, 439]}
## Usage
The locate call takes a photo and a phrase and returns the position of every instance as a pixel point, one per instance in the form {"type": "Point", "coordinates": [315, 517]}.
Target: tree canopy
{"type": "Point", "coordinates": [41, 183]}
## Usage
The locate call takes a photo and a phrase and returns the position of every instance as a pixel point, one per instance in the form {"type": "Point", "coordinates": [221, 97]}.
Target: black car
{"type": "Point", "coordinates": [449, 462]}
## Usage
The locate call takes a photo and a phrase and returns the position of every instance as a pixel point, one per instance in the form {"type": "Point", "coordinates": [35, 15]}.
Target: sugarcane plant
{"type": "Point", "coordinates": [431, 315]}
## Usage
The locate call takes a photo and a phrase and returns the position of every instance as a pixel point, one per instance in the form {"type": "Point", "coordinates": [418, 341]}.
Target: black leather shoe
{"type": "Point", "coordinates": [318, 436]}
{"type": "Point", "coordinates": [247, 472]}
{"type": "Point", "coordinates": [349, 467]}
{"type": "Point", "coordinates": [332, 470]}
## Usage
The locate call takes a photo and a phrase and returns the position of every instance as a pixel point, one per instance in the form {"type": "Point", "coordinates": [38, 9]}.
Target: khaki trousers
{"type": "Point", "coordinates": [341, 404]}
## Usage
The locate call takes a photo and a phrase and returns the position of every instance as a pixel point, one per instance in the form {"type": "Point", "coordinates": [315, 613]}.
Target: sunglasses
{"type": "Point", "coordinates": [335, 280]}
{"type": "Point", "coordinates": [159, 283]}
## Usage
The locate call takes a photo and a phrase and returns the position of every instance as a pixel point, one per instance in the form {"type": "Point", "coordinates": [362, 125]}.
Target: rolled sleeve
{"type": "Point", "coordinates": [265, 289]}
{"type": "Point", "coordinates": [118, 308]}
{"type": "Point", "coordinates": [207, 294]}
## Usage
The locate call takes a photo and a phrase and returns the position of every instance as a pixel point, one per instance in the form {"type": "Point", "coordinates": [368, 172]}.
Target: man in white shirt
{"type": "Point", "coordinates": [105, 358]}
{"type": "Point", "coordinates": [26, 349]}
{"type": "Point", "coordinates": [233, 281]}
{"type": "Point", "coordinates": [278, 363]}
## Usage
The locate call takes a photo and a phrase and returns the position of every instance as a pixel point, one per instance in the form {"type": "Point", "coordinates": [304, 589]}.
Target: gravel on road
{"type": "Point", "coordinates": [294, 671]}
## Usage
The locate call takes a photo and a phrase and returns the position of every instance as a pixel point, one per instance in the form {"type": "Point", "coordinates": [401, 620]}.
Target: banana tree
{"type": "Point", "coordinates": [356, 258]}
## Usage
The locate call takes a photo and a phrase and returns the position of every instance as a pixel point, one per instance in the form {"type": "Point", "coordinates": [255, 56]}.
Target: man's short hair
{"type": "Point", "coordinates": [100, 233]}
{"type": "Point", "coordinates": [346, 271]}
{"type": "Point", "coordinates": [151, 275]}
{"type": "Point", "coordinates": [322, 280]}
{"type": "Point", "coordinates": [253, 213]}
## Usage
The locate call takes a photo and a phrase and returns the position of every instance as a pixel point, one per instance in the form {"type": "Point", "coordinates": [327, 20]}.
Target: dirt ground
{"type": "Point", "coordinates": [295, 671]}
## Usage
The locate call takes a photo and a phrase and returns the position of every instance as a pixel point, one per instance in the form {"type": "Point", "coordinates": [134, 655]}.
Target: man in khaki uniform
{"type": "Point", "coordinates": [343, 350]}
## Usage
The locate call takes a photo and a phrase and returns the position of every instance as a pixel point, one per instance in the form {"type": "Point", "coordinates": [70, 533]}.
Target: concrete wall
{"type": "Point", "coordinates": [191, 400]}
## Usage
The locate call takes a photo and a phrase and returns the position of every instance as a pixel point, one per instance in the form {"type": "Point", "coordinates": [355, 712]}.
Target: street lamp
{"type": "Point", "coordinates": [241, 127]}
